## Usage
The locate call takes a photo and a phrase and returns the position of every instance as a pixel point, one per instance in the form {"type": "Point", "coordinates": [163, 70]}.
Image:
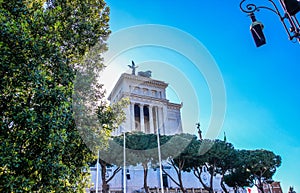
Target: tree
{"type": "Point", "coordinates": [238, 176]}
{"type": "Point", "coordinates": [226, 160]}
{"type": "Point", "coordinates": [41, 46]}
{"type": "Point", "coordinates": [178, 158]}
{"type": "Point", "coordinates": [261, 165]}
{"type": "Point", "coordinates": [213, 156]}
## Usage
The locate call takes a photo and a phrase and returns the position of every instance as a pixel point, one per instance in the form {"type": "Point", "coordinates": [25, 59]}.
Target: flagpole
{"type": "Point", "coordinates": [124, 167]}
{"type": "Point", "coordinates": [97, 173]}
{"type": "Point", "coordinates": [160, 165]}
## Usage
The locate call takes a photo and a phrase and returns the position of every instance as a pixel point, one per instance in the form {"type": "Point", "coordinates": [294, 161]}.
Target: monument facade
{"type": "Point", "coordinates": [149, 110]}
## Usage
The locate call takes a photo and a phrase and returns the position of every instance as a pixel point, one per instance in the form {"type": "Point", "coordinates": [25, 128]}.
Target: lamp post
{"type": "Point", "coordinates": [159, 160]}
{"type": "Point", "coordinates": [97, 173]}
{"type": "Point", "coordinates": [288, 18]}
{"type": "Point", "coordinates": [124, 159]}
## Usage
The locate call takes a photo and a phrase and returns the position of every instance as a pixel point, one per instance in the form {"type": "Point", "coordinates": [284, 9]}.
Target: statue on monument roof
{"type": "Point", "coordinates": [145, 73]}
{"type": "Point", "coordinates": [133, 67]}
{"type": "Point", "coordinates": [140, 73]}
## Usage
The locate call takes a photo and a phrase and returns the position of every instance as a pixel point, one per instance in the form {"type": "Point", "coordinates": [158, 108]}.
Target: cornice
{"type": "Point", "coordinates": [138, 80]}
{"type": "Point", "coordinates": [144, 80]}
{"type": "Point", "coordinates": [145, 98]}
{"type": "Point", "coordinates": [149, 99]}
{"type": "Point", "coordinates": [174, 106]}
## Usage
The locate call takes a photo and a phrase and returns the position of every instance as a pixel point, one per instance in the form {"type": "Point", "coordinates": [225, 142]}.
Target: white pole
{"type": "Point", "coordinates": [97, 175]}
{"type": "Point", "coordinates": [124, 167]}
{"type": "Point", "coordinates": [159, 159]}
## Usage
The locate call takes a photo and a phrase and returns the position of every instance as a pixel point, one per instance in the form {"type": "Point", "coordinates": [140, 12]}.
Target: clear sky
{"type": "Point", "coordinates": [261, 84]}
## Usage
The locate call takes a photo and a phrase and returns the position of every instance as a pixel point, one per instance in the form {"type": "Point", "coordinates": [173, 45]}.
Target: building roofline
{"type": "Point", "coordinates": [175, 105]}
{"type": "Point", "coordinates": [143, 80]}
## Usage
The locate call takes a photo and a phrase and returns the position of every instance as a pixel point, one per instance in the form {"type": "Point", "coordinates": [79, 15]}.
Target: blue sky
{"type": "Point", "coordinates": [261, 84]}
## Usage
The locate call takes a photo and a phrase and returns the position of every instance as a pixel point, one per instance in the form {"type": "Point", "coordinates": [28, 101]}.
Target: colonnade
{"type": "Point", "coordinates": [147, 118]}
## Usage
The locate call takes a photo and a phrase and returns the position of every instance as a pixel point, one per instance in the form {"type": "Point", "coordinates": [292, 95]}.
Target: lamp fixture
{"type": "Point", "coordinates": [287, 18]}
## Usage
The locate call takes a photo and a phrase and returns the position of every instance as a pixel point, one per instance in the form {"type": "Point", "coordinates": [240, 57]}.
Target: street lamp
{"type": "Point", "coordinates": [97, 172]}
{"type": "Point", "coordinates": [159, 160]}
{"type": "Point", "coordinates": [256, 29]}
{"type": "Point", "coordinates": [124, 160]}
{"type": "Point", "coordinates": [288, 19]}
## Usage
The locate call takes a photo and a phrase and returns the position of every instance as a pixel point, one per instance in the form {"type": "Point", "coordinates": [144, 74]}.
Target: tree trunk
{"type": "Point", "coordinates": [223, 185]}
{"type": "Point", "coordinates": [177, 183]}
{"type": "Point", "coordinates": [235, 189]}
{"type": "Point", "coordinates": [105, 187]}
{"type": "Point", "coordinates": [260, 186]}
{"type": "Point", "coordinates": [179, 174]}
{"type": "Point", "coordinates": [197, 172]}
{"type": "Point", "coordinates": [145, 166]}
{"type": "Point", "coordinates": [180, 181]}
{"type": "Point", "coordinates": [261, 189]}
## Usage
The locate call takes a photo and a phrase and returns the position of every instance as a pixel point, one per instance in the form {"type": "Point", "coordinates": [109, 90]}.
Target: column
{"type": "Point", "coordinates": [151, 119]}
{"type": "Point", "coordinates": [165, 119]}
{"type": "Point", "coordinates": [160, 120]}
{"type": "Point", "coordinates": [132, 116]}
{"type": "Point", "coordinates": [156, 119]}
{"type": "Point", "coordinates": [142, 118]}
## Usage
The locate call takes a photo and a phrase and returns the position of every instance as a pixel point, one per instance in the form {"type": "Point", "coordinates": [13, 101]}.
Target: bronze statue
{"type": "Point", "coordinates": [199, 131]}
{"type": "Point", "coordinates": [145, 73]}
{"type": "Point", "coordinates": [133, 67]}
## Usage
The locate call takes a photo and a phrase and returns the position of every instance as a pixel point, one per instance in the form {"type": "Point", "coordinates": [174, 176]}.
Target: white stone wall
{"type": "Point", "coordinates": [173, 121]}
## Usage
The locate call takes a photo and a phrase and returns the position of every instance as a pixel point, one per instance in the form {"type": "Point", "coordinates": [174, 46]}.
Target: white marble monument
{"type": "Point", "coordinates": [149, 109]}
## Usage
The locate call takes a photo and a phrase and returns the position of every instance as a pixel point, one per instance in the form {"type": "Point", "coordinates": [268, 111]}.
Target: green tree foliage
{"type": "Point", "coordinates": [261, 165]}
{"type": "Point", "coordinates": [226, 160]}
{"type": "Point", "coordinates": [179, 155]}
{"type": "Point", "coordinates": [237, 168]}
{"type": "Point", "coordinates": [215, 156]}
{"type": "Point", "coordinates": [41, 48]}
{"type": "Point", "coordinates": [238, 176]}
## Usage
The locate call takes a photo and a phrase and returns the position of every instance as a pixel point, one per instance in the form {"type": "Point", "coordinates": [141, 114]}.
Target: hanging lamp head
{"type": "Point", "coordinates": [256, 29]}
{"type": "Point", "coordinates": [292, 6]}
